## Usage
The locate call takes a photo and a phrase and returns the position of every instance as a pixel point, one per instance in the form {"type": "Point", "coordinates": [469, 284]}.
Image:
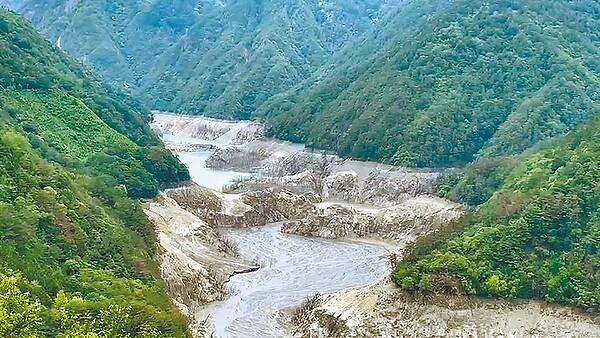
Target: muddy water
{"type": "Point", "coordinates": [196, 163]}
{"type": "Point", "coordinates": [214, 179]}
{"type": "Point", "coordinates": [292, 269]}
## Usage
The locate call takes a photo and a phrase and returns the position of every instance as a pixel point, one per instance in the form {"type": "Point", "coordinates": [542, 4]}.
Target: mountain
{"type": "Point", "coordinates": [420, 83]}
{"type": "Point", "coordinates": [534, 231]}
{"type": "Point", "coordinates": [76, 249]}
{"type": "Point", "coordinates": [220, 58]}
{"type": "Point", "coordinates": [476, 79]}
{"type": "Point", "coordinates": [537, 236]}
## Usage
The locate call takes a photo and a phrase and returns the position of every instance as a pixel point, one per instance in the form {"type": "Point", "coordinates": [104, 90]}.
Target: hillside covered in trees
{"type": "Point", "coordinates": [76, 250]}
{"type": "Point", "coordinates": [422, 83]}
{"type": "Point", "coordinates": [220, 58]}
{"type": "Point", "coordinates": [476, 79]}
{"type": "Point", "coordinates": [534, 230]}
{"type": "Point", "coordinates": [492, 84]}
{"type": "Point", "coordinates": [537, 236]}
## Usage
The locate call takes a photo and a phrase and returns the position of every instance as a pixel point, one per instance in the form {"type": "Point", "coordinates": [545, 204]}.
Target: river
{"type": "Point", "coordinates": [292, 268]}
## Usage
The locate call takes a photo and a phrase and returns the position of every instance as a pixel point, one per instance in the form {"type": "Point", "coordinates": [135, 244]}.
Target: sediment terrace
{"type": "Point", "coordinates": [280, 189]}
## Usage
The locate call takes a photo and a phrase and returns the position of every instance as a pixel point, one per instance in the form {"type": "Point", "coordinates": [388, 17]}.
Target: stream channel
{"type": "Point", "coordinates": [293, 268]}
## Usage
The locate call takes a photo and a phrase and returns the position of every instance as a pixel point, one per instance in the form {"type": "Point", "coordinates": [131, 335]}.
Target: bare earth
{"type": "Point", "coordinates": [314, 194]}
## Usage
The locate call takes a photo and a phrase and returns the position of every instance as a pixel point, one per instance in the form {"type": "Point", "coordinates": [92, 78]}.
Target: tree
{"type": "Point", "coordinates": [19, 315]}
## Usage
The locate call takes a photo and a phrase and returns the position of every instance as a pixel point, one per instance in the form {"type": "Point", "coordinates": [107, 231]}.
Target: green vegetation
{"type": "Point", "coordinates": [75, 254]}
{"type": "Point", "coordinates": [477, 182]}
{"type": "Point", "coordinates": [537, 236]}
{"type": "Point", "coordinates": [431, 84]}
{"type": "Point", "coordinates": [476, 79]}
{"type": "Point", "coordinates": [75, 119]}
{"type": "Point", "coordinates": [76, 251]}
{"type": "Point", "coordinates": [221, 58]}
{"type": "Point", "coordinates": [437, 83]}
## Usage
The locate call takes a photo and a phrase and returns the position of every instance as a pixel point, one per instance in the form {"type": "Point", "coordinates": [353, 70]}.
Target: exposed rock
{"type": "Point", "coordinates": [188, 147]}
{"type": "Point", "coordinates": [194, 262]}
{"type": "Point", "coordinates": [235, 157]}
{"type": "Point", "coordinates": [343, 186]}
{"type": "Point", "coordinates": [379, 188]}
{"type": "Point", "coordinates": [295, 163]}
{"type": "Point", "coordinates": [269, 159]}
{"type": "Point", "coordinates": [306, 183]}
{"type": "Point", "coordinates": [270, 206]}
{"type": "Point", "coordinates": [383, 310]}
{"type": "Point", "coordinates": [253, 208]}
{"type": "Point", "coordinates": [401, 223]}
{"type": "Point", "coordinates": [202, 202]}
{"type": "Point", "coordinates": [219, 131]}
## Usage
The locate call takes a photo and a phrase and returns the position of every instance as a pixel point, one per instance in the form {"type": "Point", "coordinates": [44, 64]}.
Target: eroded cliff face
{"type": "Point", "coordinates": [401, 223]}
{"type": "Point", "coordinates": [382, 310]}
{"type": "Point", "coordinates": [320, 195]}
{"type": "Point", "coordinates": [251, 208]}
{"type": "Point", "coordinates": [194, 262]}
{"type": "Point", "coordinates": [217, 131]}
{"type": "Point", "coordinates": [380, 187]}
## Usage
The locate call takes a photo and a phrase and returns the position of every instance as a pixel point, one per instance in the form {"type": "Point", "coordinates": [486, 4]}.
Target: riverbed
{"type": "Point", "coordinates": [292, 268]}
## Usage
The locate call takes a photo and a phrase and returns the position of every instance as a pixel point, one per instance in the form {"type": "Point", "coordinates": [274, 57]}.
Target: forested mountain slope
{"type": "Point", "coordinates": [537, 236]}
{"type": "Point", "coordinates": [480, 78]}
{"type": "Point", "coordinates": [221, 58]}
{"type": "Point", "coordinates": [76, 251]}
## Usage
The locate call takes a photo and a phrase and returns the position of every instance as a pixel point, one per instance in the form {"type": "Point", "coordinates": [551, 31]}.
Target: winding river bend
{"type": "Point", "coordinates": [292, 268]}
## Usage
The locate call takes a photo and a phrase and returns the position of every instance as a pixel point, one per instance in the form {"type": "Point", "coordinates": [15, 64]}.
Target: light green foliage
{"type": "Point", "coordinates": [19, 315]}
{"type": "Point", "coordinates": [69, 125]}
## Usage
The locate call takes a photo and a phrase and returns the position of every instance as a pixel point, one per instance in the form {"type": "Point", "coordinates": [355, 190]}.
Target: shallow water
{"type": "Point", "coordinates": [214, 179]}
{"type": "Point", "coordinates": [292, 267]}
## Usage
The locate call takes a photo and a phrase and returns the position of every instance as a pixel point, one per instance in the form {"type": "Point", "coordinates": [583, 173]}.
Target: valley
{"type": "Point", "coordinates": [344, 168]}
{"type": "Point", "coordinates": [322, 240]}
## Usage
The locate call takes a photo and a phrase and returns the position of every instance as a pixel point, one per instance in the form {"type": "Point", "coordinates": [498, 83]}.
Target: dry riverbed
{"type": "Point", "coordinates": [280, 191]}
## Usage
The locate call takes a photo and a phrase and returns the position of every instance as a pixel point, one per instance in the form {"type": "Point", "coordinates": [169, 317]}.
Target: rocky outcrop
{"type": "Point", "coordinates": [194, 262]}
{"type": "Point", "coordinates": [401, 223]}
{"type": "Point", "coordinates": [234, 157]}
{"type": "Point", "coordinates": [218, 131]}
{"type": "Point", "coordinates": [380, 188]}
{"type": "Point", "coordinates": [252, 208]}
{"type": "Point", "coordinates": [269, 159]}
{"type": "Point", "coordinates": [202, 202]}
{"type": "Point", "coordinates": [298, 162]}
{"type": "Point", "coordinates": [305, 183]}
{"type": "Point", "coordinates": [271, 206]}
{"type": "Point", "coordinates": [383, 310]}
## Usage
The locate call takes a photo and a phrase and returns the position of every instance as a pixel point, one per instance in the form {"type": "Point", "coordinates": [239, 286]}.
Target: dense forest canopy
{"type": "Point", "coordinates": [537, 236]}
{"type": "Point", "coordinates": [478, 79]}
{"type": "Point", "coordinates": [422, 83]}
{"type": "Point", "coordinates": [220, 58]}
{"type": "Point", "coordinates": [76, 251]}
{"type": "Point", "coordinates": [534, 230]}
